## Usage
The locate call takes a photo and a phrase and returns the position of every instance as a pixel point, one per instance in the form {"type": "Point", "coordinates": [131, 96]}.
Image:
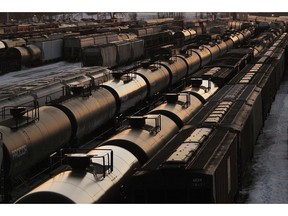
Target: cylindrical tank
{"type": "Point", "coordinates": [235, 40]}
{"type": "Point", "coordinates": [238, 25]}
{"type": "Point", "coordinates": [257, 49]}
{"type": "Point", "coordinates": [177, 68]}
{"type": "Point", "coordinates": [84, 187]}
{"type": "Point", "coordinates": [20, 53]}
{"type": "Point", "coordinates": [141, 142]}
{"type": "Point", "coordinates": [128, 90]}
{"type": "Point", "coordinates": [246, 33]}
{"type": "Point", "coordinates": [230, 24]}
{"type": "Point", "coordinates": [223, 47]}
{"type": "Point", "coordinates": [193, 33]}
{"type": "Point", "coordinates": [205, 90]}
{"type": "Point", "coordinates": [229, 44]}
{"type": "Point", "coordinates": [30, 144]}
{"type": "Point", "coordinates": [240, 37]}
{"type": "Point", "coordinates": [185, 35]}
{"type": "Point", "coordinates": [88, 113]}
{"type": "Point", "coordinates": [35, 52]}
{"type": "Point", "coordinates": [204, 54]}
{"type": "Point", "coordinates": [193, 62]}
{"type": "Point", "coordinates": [2, 46]}
{"type": "Point", "coordinates": [214, 50]}
{"type": "Point", "coordinates": [157, 78]}
{"type": "Point", "coordinates": [181, 110]}
{"type": "Point", "coordinates": [15, 42]}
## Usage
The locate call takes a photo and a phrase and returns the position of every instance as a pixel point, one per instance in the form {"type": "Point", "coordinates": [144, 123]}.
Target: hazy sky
{"type": "Point", "coordinates": [144, 6]}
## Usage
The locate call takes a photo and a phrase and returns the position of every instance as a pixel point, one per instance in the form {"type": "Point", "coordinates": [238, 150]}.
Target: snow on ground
{"type": "Point", "coordinates": [267, 181]}
{"type": "Point", "coordinates": [30, 74]}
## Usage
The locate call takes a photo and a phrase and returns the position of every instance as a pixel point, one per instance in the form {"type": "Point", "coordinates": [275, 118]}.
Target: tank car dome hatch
{"type": "Point", "coordinates": [205, 90]}
{"type": "Point", "coordinates": [196, 82]}
{"type": "Point", "coordinates": [137, 121]}
{"type": "Point", "coordinates": [79, 161]}
{"type": "Point", "coordinates": [17, 112]}
{"type": "Point", "coordinates": [171, 97]}
{"type": "Point", "coordinates": [179, 107]}
{"type": "Point", "coordinates": [117, 75]}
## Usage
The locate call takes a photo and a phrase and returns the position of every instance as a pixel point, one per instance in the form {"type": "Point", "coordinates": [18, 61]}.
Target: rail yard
{"type": "Point", "coordinates": [152, 111]}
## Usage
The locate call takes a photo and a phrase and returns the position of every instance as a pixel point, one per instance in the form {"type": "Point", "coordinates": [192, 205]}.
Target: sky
{"type": "Point", "coordinates": [143, 6]}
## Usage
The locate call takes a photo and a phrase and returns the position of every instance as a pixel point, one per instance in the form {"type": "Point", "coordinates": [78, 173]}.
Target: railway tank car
{"type": "Point", "coordinates": [139, 142]}
{"type": "Point", "coordinates": [76, 180]}
{"type": "Point", "coordinates": [128, 90]}
{"type": "Point", "coordinates": [25, 146]}
{"type": "Point", "coordinates": [139, 151]}
{"type": "Point", "coordinates": [206, 161]}
{"type": "Point", "coordinates": [124, 99]}
{"type": "Point", "coordinates": [16, 42]}
{"type": "Point", "coordinates": [88, 113]}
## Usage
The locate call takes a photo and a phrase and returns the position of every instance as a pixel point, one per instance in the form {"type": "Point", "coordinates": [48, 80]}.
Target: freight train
{"type": "Point", "coordinates": [206, 161]}
{"type": "Point", "coordinates": [93, 49]}
{"type": "Point", "coordinates": [179, 108]}
{"type": "Point", "coordinates": [106, 49]}
{"type": "Point", "coordinates": [113, 54]}
{"type": "Point", "coordinates": [131, 139]}
{"type": "Point", "coordinates": [29, 51]}
{"type": "Point", "coordinates": [129, 149]}
{"type": "Point", "coordinates": [37, 51]}
{"type": "Point", "coordinates": [206, 153]}
{"type": "Point", "coordinates": [51, 127]}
